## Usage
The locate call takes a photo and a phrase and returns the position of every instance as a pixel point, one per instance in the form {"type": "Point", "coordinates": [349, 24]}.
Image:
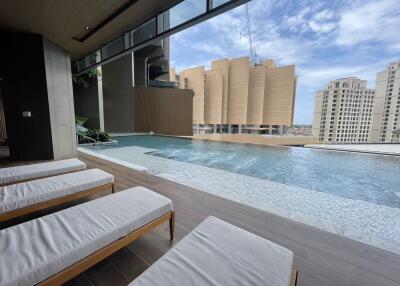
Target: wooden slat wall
{"type": "Point", "coordinates": [166, 111]}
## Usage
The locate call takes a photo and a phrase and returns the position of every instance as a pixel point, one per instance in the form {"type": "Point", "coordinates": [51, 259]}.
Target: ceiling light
{"type": "Point", "coordinates": [87, 28]}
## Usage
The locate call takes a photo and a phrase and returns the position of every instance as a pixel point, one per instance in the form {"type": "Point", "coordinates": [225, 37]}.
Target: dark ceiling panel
{"type": "Point", "coordinates": [60, 21]}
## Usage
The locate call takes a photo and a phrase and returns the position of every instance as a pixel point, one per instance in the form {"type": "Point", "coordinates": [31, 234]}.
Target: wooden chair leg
{"type": "Point", "coordinates": [172, 225]}
{"type": "Point", "coordinates": [294, 277]}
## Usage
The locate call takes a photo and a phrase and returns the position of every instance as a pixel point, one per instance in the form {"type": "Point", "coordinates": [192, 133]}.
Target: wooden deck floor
{"type": "Point", "coordinates": [322, 258]}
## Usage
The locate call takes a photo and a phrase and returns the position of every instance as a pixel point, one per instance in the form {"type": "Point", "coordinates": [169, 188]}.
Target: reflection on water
{"type": "Point", "coordinates": [371, 178]}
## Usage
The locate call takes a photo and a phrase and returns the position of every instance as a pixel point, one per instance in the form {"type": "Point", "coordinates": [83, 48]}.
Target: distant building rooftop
{"type": "Point", "coordinates": [385, 149]}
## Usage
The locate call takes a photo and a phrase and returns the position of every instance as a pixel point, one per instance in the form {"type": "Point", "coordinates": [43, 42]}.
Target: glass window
{"type": "Point", "coordinates": [186, 11]}
{"type": "Point", "coordinates": [143, 32]}
{"type": "Point", "coordinates": [113, 48]}
{"type": "Point", "coordinates": [216, 3]}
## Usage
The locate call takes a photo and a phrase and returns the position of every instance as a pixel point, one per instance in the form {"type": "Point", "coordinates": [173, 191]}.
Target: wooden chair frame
{"type": "Point", "coordinates": [55, 202]}
{"type": "Point", "coordinates": [87, 262]}
{"type": "Point", "coordinates": [294, 277]}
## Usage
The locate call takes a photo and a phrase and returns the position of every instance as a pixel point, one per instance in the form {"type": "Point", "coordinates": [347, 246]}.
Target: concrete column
{"type": "Point", "coordinates": [60, 99]}
{"type": "Point", "coordinates": [240, 129]}
{"type": "Point", "coordinates": [229, 128]}
{"type": "Point", "coordinates": [215, 128]}
{"type": "Point", "coordinates": [100, 96]}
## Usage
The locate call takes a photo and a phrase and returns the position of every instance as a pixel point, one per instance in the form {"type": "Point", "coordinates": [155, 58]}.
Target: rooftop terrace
{"type": "Point", "coordinates": [321, 257]}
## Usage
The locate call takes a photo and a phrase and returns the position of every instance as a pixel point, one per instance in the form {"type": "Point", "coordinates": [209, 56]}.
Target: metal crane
{"type": "Point", "coordinates": [248, 26]}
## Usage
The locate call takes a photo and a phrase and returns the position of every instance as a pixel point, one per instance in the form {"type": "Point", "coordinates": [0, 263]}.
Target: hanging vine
{"type": "Point", "coordinates": [83, 79]}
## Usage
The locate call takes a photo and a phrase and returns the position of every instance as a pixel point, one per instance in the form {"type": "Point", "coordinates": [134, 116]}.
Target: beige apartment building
{"type": "Point", "coordinates": [343, 112]}
{"type": "Point", "coordinates": [237, 96]}
{"type": "Point", "coordinates": [385, 124]}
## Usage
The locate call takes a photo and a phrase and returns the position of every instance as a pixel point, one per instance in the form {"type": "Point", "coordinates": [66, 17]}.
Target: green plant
{"type": "Point", "coordinates": [98, 135]}
{"type": "Point", "coordinates": [84, 78]}
{"type": "Point", "coordinates": [86, 135]}
{"type": "Point", "coordinates": [79, 123]}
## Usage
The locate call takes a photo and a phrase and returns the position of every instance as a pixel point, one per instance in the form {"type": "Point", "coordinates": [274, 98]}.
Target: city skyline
{"type": "Point", "coordinates": [325, 41]}
{"type": "Point", "coordinates": [346, 111]}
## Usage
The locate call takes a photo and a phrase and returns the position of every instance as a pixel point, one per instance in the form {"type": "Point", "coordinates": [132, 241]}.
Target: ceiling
{"type": "Point", "coordinates": [61, 21]}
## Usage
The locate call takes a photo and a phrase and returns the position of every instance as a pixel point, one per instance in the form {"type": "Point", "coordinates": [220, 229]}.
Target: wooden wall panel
{"type": "Point", "coordinates": [167, 111]}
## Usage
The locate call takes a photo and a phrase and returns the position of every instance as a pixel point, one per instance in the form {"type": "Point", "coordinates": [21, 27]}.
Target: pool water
{"type": "Point", "coordinates": [370, 178]}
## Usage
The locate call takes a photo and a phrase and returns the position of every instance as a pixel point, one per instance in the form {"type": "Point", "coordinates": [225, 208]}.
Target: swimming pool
{"type": "Point", "coordinates": [325, 185]}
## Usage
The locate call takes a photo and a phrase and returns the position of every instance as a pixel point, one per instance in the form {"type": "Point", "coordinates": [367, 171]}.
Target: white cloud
{"type": "Point", "coordinates": [313, 78]}
{"type": "Point", "coordinates": [211, 48]}
{"type": "Point", "coordinates": [370, 21]}
{"type": "Point", "coordinates": [285, 51]}
{"type": "Point", "coordinates": [324, 15]}
{"type": "Point", "coordinates": [321, 27]}
{"type": "Point", "coordinates": [298, 22]}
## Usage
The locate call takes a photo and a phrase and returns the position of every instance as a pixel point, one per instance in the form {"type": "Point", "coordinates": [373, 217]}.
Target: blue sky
{"type": "Point", "coordinates": [324, 39]}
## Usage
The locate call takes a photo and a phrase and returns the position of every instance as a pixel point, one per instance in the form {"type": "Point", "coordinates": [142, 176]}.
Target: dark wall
{"type": "Point", "coordinates": [23, 85]}
{"type": "Point", "coordinates": [3, 131]}
{"type": "Point", "coordinates": [86, 101]}
{"type": "Point", "coordinates": [117, 99]}
{"type": "Point", "coordinates": [140, 71]}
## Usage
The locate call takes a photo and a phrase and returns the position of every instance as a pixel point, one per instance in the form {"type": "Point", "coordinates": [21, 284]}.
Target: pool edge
{"type": "Point", "coordinates": [114, 160]}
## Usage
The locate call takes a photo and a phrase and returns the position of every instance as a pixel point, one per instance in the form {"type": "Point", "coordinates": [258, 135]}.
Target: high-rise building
{"type": "Point", "coordinates": [385, 125]}
{"type": "Point", "coordinates": [343, 111]}
{"type": "Point", "coordinates": [237, 96]}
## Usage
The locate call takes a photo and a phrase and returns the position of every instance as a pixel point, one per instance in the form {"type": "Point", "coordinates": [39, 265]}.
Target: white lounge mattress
{"type": "Point", "coordinates": [13, 197]}
{"type": "Point", "coordinates": [218, 253]}
{"type": "Point", "coordinates": [34, 171]}
{"type": "Point", "coordinates": [38, 249]}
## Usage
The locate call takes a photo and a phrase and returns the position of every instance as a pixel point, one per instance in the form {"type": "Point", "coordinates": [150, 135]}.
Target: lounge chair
{"type": "Point", "coordinates": [18, 174]}
{"type": "Point", "coordinates": [53, 249]}
{"type": "Point", "coordinates": [31, 196]}
{"type": "Point", "coordinates": [218, 253]}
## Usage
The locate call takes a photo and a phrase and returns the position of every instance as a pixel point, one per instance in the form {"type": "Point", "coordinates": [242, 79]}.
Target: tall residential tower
{"type": "Point", "coordinates": [385, 124]}
{"type": "Point", "coordinates": [343, 111]}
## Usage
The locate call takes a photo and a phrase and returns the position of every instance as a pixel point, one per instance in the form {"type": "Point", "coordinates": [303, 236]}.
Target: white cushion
{"type": "Point", "coordinates": [24, 194]}
{"type": "Point", "coordinates": [38, 249]}
{"type": "Point", "coordinates": [218, 253]}
{"type": "Point", "coordinates": [34, 171]}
